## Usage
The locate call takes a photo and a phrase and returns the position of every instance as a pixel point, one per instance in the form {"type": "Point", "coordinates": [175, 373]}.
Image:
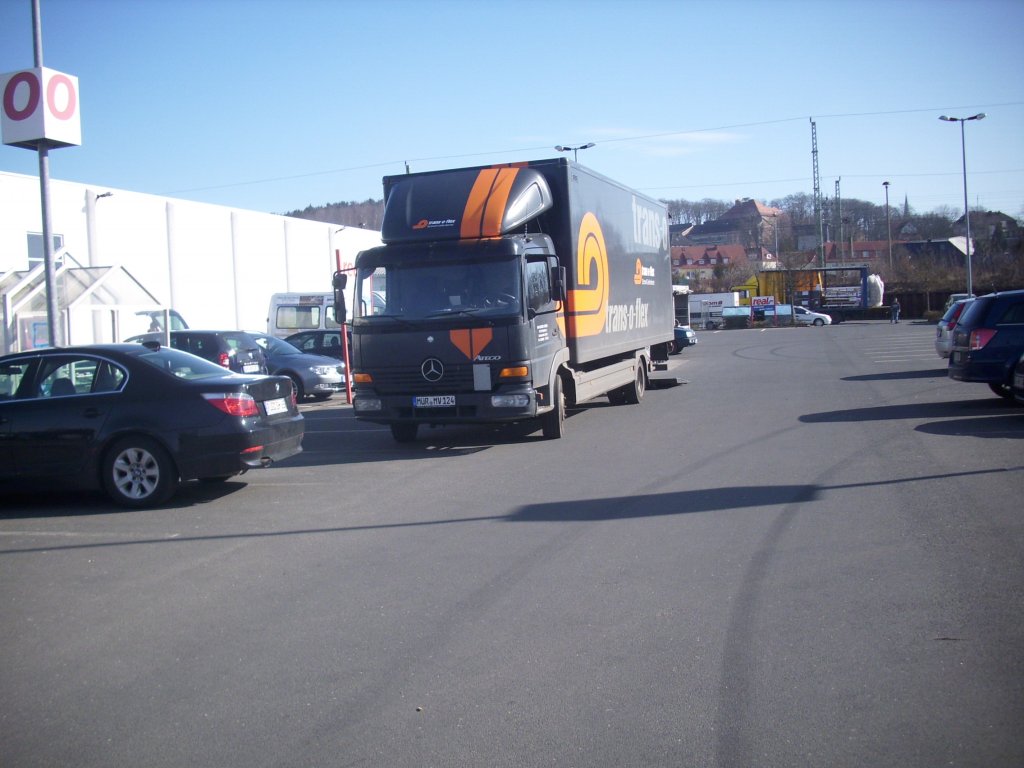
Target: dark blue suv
{"type": "Point", "coordinates": [988, 341]}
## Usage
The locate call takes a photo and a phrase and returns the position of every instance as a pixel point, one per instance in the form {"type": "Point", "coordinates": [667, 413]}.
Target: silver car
{"type": "Point", "coordinates": [944, 330]}
{"type": "Point", "coordinates": [314, 376]}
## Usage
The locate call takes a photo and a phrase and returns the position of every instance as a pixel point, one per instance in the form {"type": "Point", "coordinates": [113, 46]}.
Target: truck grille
{"type": "Point", "coordinates": [390, 381]}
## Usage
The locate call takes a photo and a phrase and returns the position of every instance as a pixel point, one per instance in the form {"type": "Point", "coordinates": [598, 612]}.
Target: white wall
{"type": "Point", "coordinates": [217, 266]}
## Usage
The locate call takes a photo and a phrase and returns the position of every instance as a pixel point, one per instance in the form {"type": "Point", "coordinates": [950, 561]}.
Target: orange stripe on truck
{"type": "Point", "coordinates": [485, 206]}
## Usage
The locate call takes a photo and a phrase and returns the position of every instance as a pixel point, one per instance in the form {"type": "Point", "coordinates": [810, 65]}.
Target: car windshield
{"type": "Point", "coordinates": [183, 365]}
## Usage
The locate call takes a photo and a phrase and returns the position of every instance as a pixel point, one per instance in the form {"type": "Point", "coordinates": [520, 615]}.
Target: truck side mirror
{"type": "Point", "coordinates": [339, 281]}
{"type": "Point", "coordinates": [558, 280]}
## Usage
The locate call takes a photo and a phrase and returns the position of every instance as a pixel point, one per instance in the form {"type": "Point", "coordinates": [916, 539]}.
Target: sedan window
{"type": "Point", "coordinates": [64, 376]}
{"type": "Point", "coordinates": [11, 375]}
{"type": "Point", "coordinates": [109, 378]}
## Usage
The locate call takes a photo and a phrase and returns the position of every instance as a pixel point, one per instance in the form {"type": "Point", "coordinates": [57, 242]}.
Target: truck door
{"type": "Point", "coordinates": [542, 306]}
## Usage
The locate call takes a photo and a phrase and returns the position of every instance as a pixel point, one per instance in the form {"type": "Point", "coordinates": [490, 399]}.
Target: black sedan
{"type": "Point", "coordinates": [136, 420]}
{"type": "Point", "coordinates": [684, 337]}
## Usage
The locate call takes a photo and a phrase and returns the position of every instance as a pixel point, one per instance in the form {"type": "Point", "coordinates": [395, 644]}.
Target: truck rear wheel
{"type": "Point", "coordinates": [553, 422]}
{"type": "Point", "coordinates": [404, 431]}
{"type": "Point", "coordinates": [631, 394]}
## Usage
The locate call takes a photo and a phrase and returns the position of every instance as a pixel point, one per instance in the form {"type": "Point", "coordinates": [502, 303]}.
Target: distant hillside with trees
{"type": "Point", "coordinates": [367, 215]}
{"type": "Point", "coordinates": [868, 219]}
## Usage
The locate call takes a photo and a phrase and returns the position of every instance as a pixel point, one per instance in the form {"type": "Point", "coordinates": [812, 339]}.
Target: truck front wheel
{"type": "Point", "coordinates": [553, 422]}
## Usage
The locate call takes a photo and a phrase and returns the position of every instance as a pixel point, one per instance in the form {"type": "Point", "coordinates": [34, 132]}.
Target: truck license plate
{"type": "Point", "coordinates": [1018, 380]}
{"type": "Point", "coordinates": [434, 401]}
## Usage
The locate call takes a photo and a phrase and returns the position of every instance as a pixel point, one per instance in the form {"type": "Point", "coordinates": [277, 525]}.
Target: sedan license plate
{"type": "Point", "coordinates": [277, 405]}
{"type": "Point", "coordinates": [251, 368]}
{"type": "Point", "coordinates": [434, 401]}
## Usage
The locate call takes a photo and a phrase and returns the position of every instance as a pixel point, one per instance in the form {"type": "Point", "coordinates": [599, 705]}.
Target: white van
{"type": "Point", "coordinates": [293, 312]}
{"type": "Point", "coordinates": [782, 314]}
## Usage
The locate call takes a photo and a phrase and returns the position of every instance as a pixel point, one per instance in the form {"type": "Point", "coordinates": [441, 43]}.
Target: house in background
{"type": "Point", "coordinates": [748, 223]}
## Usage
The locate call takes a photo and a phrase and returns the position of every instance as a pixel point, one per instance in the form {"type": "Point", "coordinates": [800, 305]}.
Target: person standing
{"type": "Point", "coordinates": [895, 311]}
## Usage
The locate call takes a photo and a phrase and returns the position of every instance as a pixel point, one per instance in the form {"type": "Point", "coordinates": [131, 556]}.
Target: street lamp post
{"type": "Point", "coordinates": [888, 225]}
{"type": "Point", "coordinates": [967, 210]}
{"type": "Point", "coordinates": [574, 150]}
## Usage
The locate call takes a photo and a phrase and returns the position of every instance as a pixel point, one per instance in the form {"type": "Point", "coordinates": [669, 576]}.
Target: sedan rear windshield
{"type": "Point", "coordinates": [174, 362]}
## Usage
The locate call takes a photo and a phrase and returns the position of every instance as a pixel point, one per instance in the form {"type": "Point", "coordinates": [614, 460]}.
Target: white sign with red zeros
{"type": "Point", "coordinates": [40, 105]}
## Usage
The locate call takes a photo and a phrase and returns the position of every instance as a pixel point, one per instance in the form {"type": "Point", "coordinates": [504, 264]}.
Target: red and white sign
{"type": "Point", "coordinates": [762, 301]}
{"type": "Point", "coordinates": [40, 105]}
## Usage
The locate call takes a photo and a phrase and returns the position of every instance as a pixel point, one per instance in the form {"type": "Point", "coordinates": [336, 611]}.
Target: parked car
{"type": "Point", "coordinates": [988, 341]}
{"type": "Point", "coordinates": [316, 376]}
{"type": "Point", "coordinates": [955, 297]}
{"type": "Point", "coordinates": [1018, 380]}
{"type": "Point", "coordinates": [235, 350]}
{"type": "Point", "coordinates": [786, 314]}
{"type": "Point", "coordinates": [322, 342]}
{"type": "Point", "coordinates": [805, 316]}
{"type": "Point", "coordinates": [944, 330]}
{"type": "Point", "coordinates": [136, 420]}
{"type": "Point", "coordinates": [685, 336]}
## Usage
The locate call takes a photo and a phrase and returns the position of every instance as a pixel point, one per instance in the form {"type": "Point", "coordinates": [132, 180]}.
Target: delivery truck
{"type": "Point", "coordinates": [706, 308]}
{"type": "Point", "coordinates": [508, 292]}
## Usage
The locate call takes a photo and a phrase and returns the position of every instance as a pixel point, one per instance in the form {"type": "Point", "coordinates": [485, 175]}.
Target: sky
{"type": "Point", "coordinates": [274, 105]}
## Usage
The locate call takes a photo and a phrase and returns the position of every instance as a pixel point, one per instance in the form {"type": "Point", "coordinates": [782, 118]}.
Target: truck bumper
{"type": "Point", "coordinates": [469, 407]}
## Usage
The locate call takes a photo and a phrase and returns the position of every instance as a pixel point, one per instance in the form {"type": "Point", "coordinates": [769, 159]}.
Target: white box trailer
{"type": "Point", "coordinates": [706, 308]}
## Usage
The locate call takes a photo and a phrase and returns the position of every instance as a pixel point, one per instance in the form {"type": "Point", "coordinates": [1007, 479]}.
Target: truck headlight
{"type": "Point", "coordinates": [510, 401]}
{"type": "Point", "coordinates": [366, 404]}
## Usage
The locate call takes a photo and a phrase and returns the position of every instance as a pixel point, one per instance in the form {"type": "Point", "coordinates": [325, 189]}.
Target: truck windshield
{"type": "Point", "coordinates": [416, 290]}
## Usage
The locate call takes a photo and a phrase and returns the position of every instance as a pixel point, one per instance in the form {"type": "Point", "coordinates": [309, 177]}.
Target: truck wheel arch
{"type": "Point", "coordinates": [560, 370]}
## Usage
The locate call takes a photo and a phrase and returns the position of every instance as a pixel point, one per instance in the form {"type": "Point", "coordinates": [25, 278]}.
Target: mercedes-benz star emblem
{"type": "Point", "coordinates": [432, 369]}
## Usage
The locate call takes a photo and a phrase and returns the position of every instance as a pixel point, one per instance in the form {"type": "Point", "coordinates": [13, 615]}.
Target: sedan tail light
{"type": "Point", "coordinates": [224, 359]}
{"type": "Point", "coordinates": [233, 403]}
{"type": "Point", "coordinates": [980, 337]}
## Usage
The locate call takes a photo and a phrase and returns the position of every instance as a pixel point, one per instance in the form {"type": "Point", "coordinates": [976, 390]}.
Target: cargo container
{"type": "Point", "coordinates": [509, 292]}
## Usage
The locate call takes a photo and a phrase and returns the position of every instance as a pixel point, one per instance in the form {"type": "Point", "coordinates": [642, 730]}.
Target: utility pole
{"type": "Point", "coordinates": [818, 214]}
{"type": "Point", "coordinates": [888, 224]}
{"type": "Point", "coordinates": [839, 218]}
